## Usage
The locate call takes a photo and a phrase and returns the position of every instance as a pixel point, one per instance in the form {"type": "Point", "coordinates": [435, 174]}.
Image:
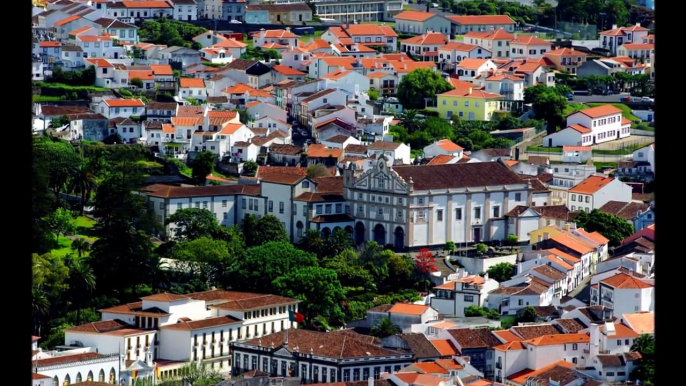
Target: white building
{"type": "Point", "coordinates": [418, 22]}
{"type": "Point", "coordinates": [402, 315]}
{"type": "Point", "coordinates": [525, 47]}
{"type": "Point", "coordinates": [646, 154]}
{"type": "Point", "coordinates": [443, 147]}
{"type": "Point", "coordinates": [185, 10]}
{"type": "Point", "coordinates": [525, 291]}
{"type": "Point", "coordinates": [590, 127]}
{"type": "Point", "coordinates": [481, 23]}
{"type": "Point", "coordinates": [596, 191]}
{"type": "Point", "coordinates": [453, 297]}
{"type": "Point", "coordinates": [624, 294]}
{"type": "Point", "coordinates": [616, 37]}
{"type": "Point", "coordinates": [120, 108]}
{"type": "Point", "coordinates": [192, 88]}
{"type": "Point", "coordinates": [76, 364]}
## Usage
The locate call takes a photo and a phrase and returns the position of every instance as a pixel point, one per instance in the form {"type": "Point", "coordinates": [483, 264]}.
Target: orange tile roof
{"type": "Point", "coordinates": [641, 322]}
{"type": "Point", "coordinates": [273, 46]}
{"type": "Point", "coordinates": [230, 43]}
{"type": "Point", "coordinates": [576, 148]}
{"type": "Point", "coordinates": [50, 44]}
{"type": "Point", "coordinates": [639, 46]}
{"type": "Point", "coordinates": [600, 111]}
{"type": "Point", "coordinates": [456, 83]}
{"type": "Point", "coordinates": [431, 368]}
{"type": "Point", "coordinates": [368, 29]}
{"type": "Point", "coordinates": [92, 38]}
{"type": "Point", "coordinates": [338, 61]}
{"type": "Point", "coordinates": [463, 93]}
{"type": "Point", "coordinates": [379, 74]}
{"type": "Point", "coordinates": [473, 280]}
{"type": "Point", "coordinates": [626, 121]}
{"type": "Point", "coordinates": [624, 281]}
{"type": "Point", "coordinates": [457, 46]}
{"type": "Point", "coordinates": [321, 151]}
{"type": "Point", "coordinates": [280, 34]}
{"type": "Point", "coordinates": [449, 364]}
{"type": "Point", "coordinates": [414, 15]}
{"type": "Point", "coordinates": [445, 346]}
{"type": "Point", "coordinates": [514, 345]}
{"type": "Point", "coordinates": [511, 162]}
{"type": "Point", "coordinates": [595, 236]}
{"type": "Point", "coordinates": [404, 66]}
{"type": "Point", "coordinates": [285, 70]}
{"type": "Point", "coordinates": [572, 244]}
{"type": "Point", "coordinates": [408, 309]}
{"type": "Point", "coordinates": [521, 376]}
{"type": "Point", "coordinates": [335, 75]}
{"type": "Point", "coordinates": [317, 44]}
{"type": "Point", "coordinates": [192, 83]}
{"type": "Point", "coordinates": [591, 185]}
{"type": "Point", "coordinates": [444, 325]}
{"type": "Point", "coordinates": [230, 128]}
{"type": "Point", "coordinates": [161, 69]}
{"type": "Point", "coordinates": [621, 332]}
{"type": "Point", "coordinates": [420, 379]}
{"type": "Point", "coordinates": [124, 103]}
{"type": "Point", "coordinates": [482, 19]}
{"type": "Point", "coordinates": [560, 261]}
{"type": "Point", "coordinates": [251, 104]}
{"type": "Point", "coordinates": [167, 128]}
{"type": "Point", "coordinates": [80, 30]}
{"type": "Point", "coordinates": [427, 39]}
{"type": "Point", "coordinates": [580, 128]}
{"type": "Point", "coordinates": [441, 159]}
{"type": "Point", "coordinates": [565, 52]}
{"type": "Point", "coordinates": [530, 41]}
{"type": "Point", "coordinates": [141, 74]}
{"type": "Point", "coordinates": [507, 336]}
{"type": "Point", "coordinates": [471, 63]}
{"type": "Point", "coordinates": [67, 20]}
{"type": "Point", "coordinates": [550, 340]}
{"type": "Point", "coordinates": [565, 256]}
{"type": "Point", "coordinates": [186, 121]}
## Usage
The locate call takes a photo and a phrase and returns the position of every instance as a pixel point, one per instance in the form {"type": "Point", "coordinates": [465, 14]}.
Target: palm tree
{"type": "Point", "coordinates": [312, 241]}
{"type": "Point", "coordinates": [384, 327]}
{"type": "Point", "coordinates": [159, 274]}
{"type": "Point", "coordinates": [81, 281]}
{"type": "Point", "coordinates": [81, 246]}
{"type": "Point", "coordinates": [643, 344]}
{"type": "Point", "coordinates": [40, 306]}
{"type": "Point", "coordinates": [82, 182]}
{"type": "Point", "coordinates": [410, 120]}
{"type": "Point", "coordinates": [339, 240]}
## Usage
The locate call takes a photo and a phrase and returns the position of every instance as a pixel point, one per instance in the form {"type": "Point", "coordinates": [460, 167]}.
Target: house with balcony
{"type": "Point", "coordinates": [596, 191]}
{"type": "Point", "coordinates": [364, 10]}
{"type": "Point", "coordinates": [616, 37]}
{"type": "Point", "coordinates": [590, 248]}
{"type": "Point", "coordinates": [381, 37]}
{"type": "Point", "coordinates": [533, 71]}
{"type": "Point", "coordinates": [160, 111]}
{"type": "Point", "coordinates": [469, 104]}
{"type": "Point", "coordinates": [481, 23]}
{"type": "Point", "coordinates": [519, 293]}
{"type": "Point", "coordinates": [164, 78]}
{"type": "Point", "coordinates": [641, 51]}
{"type": "Point", "coordinates": [496, 41]}
{"type": "Point", "coordinates": [334, 356]}
{"type": "Point", "coordinates": [497, 82]}
{"type": "Point", "coordinates": [624, 294]}
{"type": "Point", "coordinates": [552, 267]}
{"type": "Point", "coordinates": [614, 368]}
{"type": "Point", "coordinates": [419, 23]}
{"type": "Point", "coordinates": [566, 59]}
{"type": "Point", "coordinates": [454, 296]}
{"type": "Point", "coordinates": [476, 343]}
{"type": "Point", "coordinates": [323, 98]}
{"type": "Point", "coordinates": [590, 127]}
{"type": "Point", "coordinates": [323, 209]}
{"type": "Point", "coordinates": [522, 47]}
{"type": "Point", "coordinates": [424, 46]}
{"type": "Point", "coordinates": [453, 53]}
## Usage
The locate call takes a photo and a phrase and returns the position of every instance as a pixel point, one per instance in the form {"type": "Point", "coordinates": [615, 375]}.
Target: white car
{"type": "Point", "coordinates": [434, 5]}
{"type": "Point", "coordinates": [646, 99]}
{"type": "Point", "coordinates": [236, 22]}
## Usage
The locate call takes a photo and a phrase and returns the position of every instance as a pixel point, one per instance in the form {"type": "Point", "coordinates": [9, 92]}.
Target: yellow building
{"type": "Point", "coordinates": [545, 233]}
{"type": "Point", "coordinates": [590, 247]}
{"type": "Point", "coordinates": [468, 104]}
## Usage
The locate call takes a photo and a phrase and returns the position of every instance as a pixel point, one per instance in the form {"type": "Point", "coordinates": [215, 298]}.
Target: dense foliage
{"type": "Point", "coordinates": [612, 227]}
{"type": "Point", "coordinates": [420, 84]}
{"type": "Point", "coordinates": [170, 33]}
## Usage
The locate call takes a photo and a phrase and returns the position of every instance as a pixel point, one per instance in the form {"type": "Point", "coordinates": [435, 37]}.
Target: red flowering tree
{"type": "Point", "coordinates": [425, 261]}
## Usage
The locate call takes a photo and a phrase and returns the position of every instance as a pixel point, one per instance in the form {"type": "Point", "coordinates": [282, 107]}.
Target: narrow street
{"type": "Point", "coordinates": [582, 291]}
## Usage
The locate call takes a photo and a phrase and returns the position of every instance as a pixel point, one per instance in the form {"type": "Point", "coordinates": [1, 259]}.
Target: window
{"type": "Point", "coordinates": [420, 201]}
{"type": "Point", "coordinates": [161, 205]}
{"type": "Point", "coordinates": [588, 199]}
{"type": "Point", "coordinates": [281, 207]}
{"type": "Point", "coordinates": [619, 342]}
{"type": "Point", "coordinates": [627, 342]}
{"type": "Point", "coordinates": [306, 184]}
{"type": "Point", "coordinates": [400, 201]}
{"type": "Point", "coordinates": [610, 374]}
{"type": "Point", "coordinates": [573, 208]}
{"type": "Point", "coordinates": [518, 197]}
{"type": "Point", "coordinates": [224, 203]}
{"type": "Point", "coordinates": [439, 215]}
{"type": "Point", "coordinates": [179, 206]}
{"type": "Point", "coordinates": [244, 203]}
{"type": "Point", "coordinates": [477, 213]}
{"type": "Point", "coordinates": [458, 214]}
{"type": "Point", "coordinates": [573, 197]}
{"type": "Point", "coordinates": [251, 205]}
{"type": "Point", "coordinates": [496, 211]}
{"type": "Point", "coordinates": [468, 298]}
{"type": "Point", "coordinates": [575, 346]}
{"type": "Point", "coordinates": [270, 206]}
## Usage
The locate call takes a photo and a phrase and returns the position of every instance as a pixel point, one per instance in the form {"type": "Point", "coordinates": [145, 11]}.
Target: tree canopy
{"type": "Point", "coordinates": [501, 272]}
{"type": "Point", "coordinates": [420, 84]}
{"type": "Point", "coordinates": [170, 32]}
{"type": "Point", "coordinates": [612, 227]}
{"type": "Point", "coordinates": [549, 104]}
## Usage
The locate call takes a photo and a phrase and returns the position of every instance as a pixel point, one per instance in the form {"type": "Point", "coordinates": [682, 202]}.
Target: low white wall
{"type": "Point", "coordinates": [475, 266]}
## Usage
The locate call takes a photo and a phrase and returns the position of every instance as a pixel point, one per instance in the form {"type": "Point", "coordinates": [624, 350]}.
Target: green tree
{"type": "Point", "coordinates": [81, 283]}
{"type": "Point", "coordinates": [317, 170]}
{"type": "Point", "coordinates": [481, 249]}
{"type": "Point", "coordinates": [645, 371]}
{"type": "Point", "coordinates": [449, 247]}
{"type": "Point", "coordinates": [410, 121]}
{"type": "Point", "coordinates": [420, 84]}
{"type": "Point", "coordinates": [250, 168]}
{"type": "Point", "coordinates": [59, 160]}
{"type": "Point", "coordinates": [373, 94]}
{"type": "Point", "coordinates": [338, 241]}
{"type": "Point", "coordinates": [610, 226]}
{"type": "Point", "coordinates": [400, 271]}
{"type": "Point", "coordinates": [350, 273]}
{"type": "Point", "coordinates": [318, 288]}
{"type": "Point", "coordinates": [475, 311]}
{"type": "Point", "coordinates": [194, 223]}
{"type": "Point", "coordinates": [263, 230]}
{"type": "Point", "coordinates": [512, 240]}
{"type": "Point", "coordinates": [438, 129]}
{"type": "Point", "coordinates": [203, 165]}
{"type": "Point", "coordinates": [81, 246]}
{"type": "Point", "coordinates": [528, 315]}
{"type": "Point", "coordinates": [313, 242]}
{"type": "Point", "coordinates": [50, 275]}
{"type": "Point", "coordinates": [136, 82]}
{"type": "Point", "coordinates": [264, 263]}
{"type": "Point", "coordinates": [384, 327]}
{"type": "Point", "coordinates": [82, 182]}
{"type": "Point", "coordinates": [501, 272]}
{"type": "Point", "coordinates": [206, 259]}
{"type": "Point", "coordinates": [198, 374]}
{"type": "Point", "coordinates": [62, 222]}
{"type": "Point", "coordinates": [375, 260]}
{"type": "Point", "coordinates": [548, 104]}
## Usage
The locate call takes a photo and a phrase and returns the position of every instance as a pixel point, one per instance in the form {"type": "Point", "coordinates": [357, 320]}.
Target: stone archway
{"type": "Point", "coordinates": [359, 233]}
{"type": "Point", "coordinates": [399, 239]}
{"type": "Point", "coordinates": [326, 232]}
{"type": "Point", "coordinates": [299, 230]}
{"type": "Point", "coordinates": [380, 234]}
{"type": "Point", "coordinates": [349, 230]}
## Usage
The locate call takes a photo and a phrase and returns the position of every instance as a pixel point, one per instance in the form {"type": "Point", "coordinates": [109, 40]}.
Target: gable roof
{"type": "Point", "coordinates": [481, 19]}
{"type": "Point", "coordinates": [625, 281]}
{"type": "Point", "coordinates": [414, 15]}
{"type": "Point", "coordinates": [591, 184]}
{"type": "Point", "coordinates": [465, 175]}
{"type": "Point", "coordinates": [420, 345]}
{"type": "Point", "coordinates": [409, 309]}
{"type": "Point", "coordinates": [625, 210]}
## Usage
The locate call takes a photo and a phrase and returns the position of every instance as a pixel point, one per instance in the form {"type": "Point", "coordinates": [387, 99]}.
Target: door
{"type": "Point", "coordinates": [138, 14]}
{"type": "Point", "coordinates": [116, 55]}
{"type": "Point", "coordinates": [380, 234]}
{"type": "Point", "coordinates": [399, 239]}
{"type": "Point", "coordinates": [189, 17]}
{"type": "Point", "coordinates": [300, 17]}
{"type": "Point", "coordinates": [359, 233]}
{"type": "Point", "coordinates": [477, 235]}
{"type": "Point", "coordinates": [278, 17]}
{"type": "Point", "coordinates": [550, 142]}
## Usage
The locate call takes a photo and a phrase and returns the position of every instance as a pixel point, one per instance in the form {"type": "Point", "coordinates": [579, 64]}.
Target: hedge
{"type": "Point", "coordinates": [70, 92]}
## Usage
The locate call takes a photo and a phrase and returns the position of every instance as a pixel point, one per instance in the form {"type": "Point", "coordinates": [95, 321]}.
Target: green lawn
{"type": "Point", "coordinates": [390, 24]}
{"type": "Point", "coordinates": [573, 107]}
{"type": "Point", "coordinates": [541, 149]}
{"type": "Point", "coordinates": [626, 110]}
{"type": "Point", "coordinates": [306, 38]}
{"type": "Point", "coordinates": [507, 321]}
{"type": "Point", "coordinates": [621, 151]}
{"type": "Point", "coordinates": [600, 165]}
{"type": "Point", "coordinates": [459, 37]}
{"type": "Point", "coordinates": [83, 230]}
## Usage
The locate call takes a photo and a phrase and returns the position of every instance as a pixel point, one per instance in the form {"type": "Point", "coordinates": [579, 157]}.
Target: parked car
{"type": "Point", "coordinates": [570, 97]}
{"type": "Point", "coordinates": [434, 5]}
{"type": "Point", "coordinates": [647, 99]}
{"type": "Point", "coordinates": [236, 22]}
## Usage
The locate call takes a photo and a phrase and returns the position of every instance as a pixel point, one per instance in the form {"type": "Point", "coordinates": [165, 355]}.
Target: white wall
{"type": "Point", "coordinates": [84, 367]}
{"type": "Point", "coordinates": [476, 265]}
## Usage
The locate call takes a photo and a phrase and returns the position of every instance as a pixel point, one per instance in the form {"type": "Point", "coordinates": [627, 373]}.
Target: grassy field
{"type": "Point", "coordinates": [600, 165]}
{"type": "Point", "coordinates": [621, 151]}
{"type": "Point", "coordinates": [541, 149]}
{"type": "Point", "coordinates": [574, 107]}
{"type": "Point", "coordinates": [84, 227]}
{"type": "Point", "coordinates": [507, 321]}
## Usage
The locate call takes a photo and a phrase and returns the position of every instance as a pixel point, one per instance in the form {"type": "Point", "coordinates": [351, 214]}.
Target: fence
{"type": "Point", "coordinates": [645, 133]}
{"type": "Point", "coordinates": [578, 31]}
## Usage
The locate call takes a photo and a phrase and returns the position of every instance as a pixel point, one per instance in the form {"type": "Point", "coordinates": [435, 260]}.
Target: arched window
{"type": "Point", "coordinates": [113, 376]}
{"type": "Point", "coordinates": [78, 378]}
{"type": "Point", "coordinates": [67, 380]}
{"type": "Point", "coordinates": [55, 381]}
{"type": "Point", "coordinates": [101, 376]}
{"type": "Point", "coordinates": [89, 378]}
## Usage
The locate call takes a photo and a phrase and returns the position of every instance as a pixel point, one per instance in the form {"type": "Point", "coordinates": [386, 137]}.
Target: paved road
{"type": "Point", "coordinates": [599, 98]}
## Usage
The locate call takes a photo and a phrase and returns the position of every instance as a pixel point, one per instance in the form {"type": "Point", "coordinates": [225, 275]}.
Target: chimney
{"type": "Point", "coordinates": [567, 227]}
{"type": "Point", "coordinates": [370, 381]}
{"type": "Point", "coordinates": [638, 24]}
{"type": "Point", "coordinates": [614, 26]}
{"type": "Point", "coordinates": [486, 277]}
{"type": "Point", "coordinates": [515, 36]}
{"type": "Point", "coordinates": [288, 29]}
